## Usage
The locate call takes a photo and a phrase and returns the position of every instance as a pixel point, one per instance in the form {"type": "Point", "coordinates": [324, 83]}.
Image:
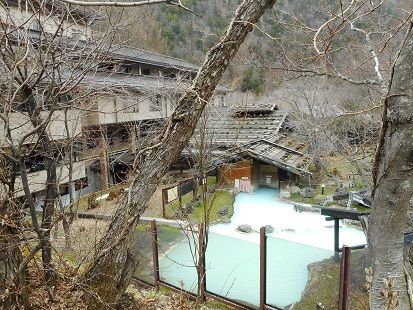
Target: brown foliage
{"type": "Point", "coordinates": [114, 194]}
{"type": "Point", "coordinates": [92, 203]}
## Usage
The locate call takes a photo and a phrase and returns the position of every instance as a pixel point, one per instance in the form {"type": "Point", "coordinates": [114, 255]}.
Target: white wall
{"type": "Point", "coordinates": [114, 111]}
{"type": "Point", "coordinates": [37, 180]}
{"type": "Point", "coordinates": [24, 18]}
{"type": "Point", "coordinates": [20, 125]}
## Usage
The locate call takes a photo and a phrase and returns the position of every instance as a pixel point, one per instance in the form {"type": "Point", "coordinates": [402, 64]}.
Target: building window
{"type": "Point", "coordinates": [106, 67]}
{"type": "Point", "coordinates": [156, 104]}
{"type": "Point", "coordinates": [64, 190]}
{"type": "Point", "coordinates": [80, 184]}
{"type": "Point", "coordinates": [64, 99]}
{"type": "Point", "coordinates": [125, 69]}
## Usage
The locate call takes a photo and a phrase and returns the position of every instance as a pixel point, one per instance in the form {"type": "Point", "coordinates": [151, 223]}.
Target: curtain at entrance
{"type": "Point", "coordinates": [245, 185]}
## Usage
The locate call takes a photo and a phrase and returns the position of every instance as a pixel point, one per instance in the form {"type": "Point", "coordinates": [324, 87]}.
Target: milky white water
{"type": "Point", "coordinates": [264, 208]}
{"type": "Point", "coordinates": [233, 257]}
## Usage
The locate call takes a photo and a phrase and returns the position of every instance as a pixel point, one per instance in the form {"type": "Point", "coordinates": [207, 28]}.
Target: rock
{"type": "Point", "coordinates": [269, 229]}
{"type": "Point", "coordinates": [189, 207]}
{"type": "Point", "coordinates": [244, 228]}
{"type": "Point", "coordinates": [307, 192]}
{"type": "Point", "coordinates": [341, 196]}
{"type": "Point", "coordinates": [223, 211]}
{"type": "Point", "coordinates": [340, 190]}
{"type": "Point", "coordinates": [285, 194]}
{"type": "Point", "coordinates": [301, 207]}
{"type": "Point", "coordinates": [294, 189]}
{"type": "Point", "coordinates": [409, 221]}
{"type": "Point", "coordinates": [319, 199]}
{"type": "Point", "coordinates": [225, 220]}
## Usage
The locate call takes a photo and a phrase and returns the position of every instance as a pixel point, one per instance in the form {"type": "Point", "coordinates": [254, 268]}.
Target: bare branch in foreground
{"type": "Point", "coordinates": [128, 4]}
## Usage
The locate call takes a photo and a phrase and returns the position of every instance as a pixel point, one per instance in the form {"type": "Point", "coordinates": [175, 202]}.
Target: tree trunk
{"type": "Point", "coordinates": [66, 229]}
{"type": "Point", "coordinates": [104, 159]}
{"type": "Point", "coordinates": [393, 187]}
{"type": "Point", "coordinates": [67, 219]}
{"type": "Point", "coordinates": [108, 276]}
{"type": "Point", "coordinates": [10, 255]}
{"type": "Point", "coordinates": [48, 211]}
{"type": "Point", "coordinates": [47, 147]}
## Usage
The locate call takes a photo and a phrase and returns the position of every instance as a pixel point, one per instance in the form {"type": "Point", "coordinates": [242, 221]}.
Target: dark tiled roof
{"type": "Point", "coordinates": [253, 107]}
{"type": "Point", "coordinates": [142, 56]}
{"type": "Point", "coordinates": [257, 137]}
{"type": "Point", "coordinates": [232, 131]}
{"type": "Point", "coordinates": [280, 151]}
{"type": "Point", "coordinates": [145, 83]}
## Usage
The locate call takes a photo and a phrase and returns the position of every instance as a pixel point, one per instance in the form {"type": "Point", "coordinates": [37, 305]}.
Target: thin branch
{"type": "Point", "coordinates": [312, 73]}
{"type": "Point", "coordinates": [128, 4]}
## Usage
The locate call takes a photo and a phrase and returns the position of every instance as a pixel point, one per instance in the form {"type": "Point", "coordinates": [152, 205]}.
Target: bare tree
{"type": "Point", "coordinates": [37, 70]}
{"type": "Point", "coordinates": [358, 42]}
{"type": "Point", "coordinates": [393, 188]}
{"type": "Point", "coordinates": [43, 60]}
{"type": "Point", "coordinates": [110, 273]}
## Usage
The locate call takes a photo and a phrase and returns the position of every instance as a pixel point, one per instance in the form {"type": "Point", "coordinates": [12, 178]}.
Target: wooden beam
{"type": "Point", "coordinates": [344, 278]}
{"type": "Point", "coordinates": [336, 238]}
{"type": "Point", "coordinates": [202, 263]}
{"type": "Point", "coordinates": [342, 213]}
{"type": "Point", "coordinates": [263, 268]}
{"type": "Point", "coordinates": [155, 255]}
{"type": "Point", "coordinates": [279, 164]}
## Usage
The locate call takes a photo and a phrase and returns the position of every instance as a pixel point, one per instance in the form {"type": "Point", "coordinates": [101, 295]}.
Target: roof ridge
{"type": "Point", "coordinates": [159, 54]}
{"type": "Point", "coordinates": [119, 46]}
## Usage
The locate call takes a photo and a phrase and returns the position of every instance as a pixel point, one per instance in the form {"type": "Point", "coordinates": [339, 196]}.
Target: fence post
{"type": "Point", "coordinates": [336, 239]}
{"type": "Point", "coordinates": [179, 194]}
{"type": "Point", "coordinates": [194, 184]}
{"type": "Point", "coordinates": [344, 277]}
{"type": "Point", "coordinates": [155, 256]}
{"type": "Point", "coordinates": [164, 198]}
{"type": "Point", "coordinates": [202, 272]}
{"type": "Point", "coordinates": [263, 268]}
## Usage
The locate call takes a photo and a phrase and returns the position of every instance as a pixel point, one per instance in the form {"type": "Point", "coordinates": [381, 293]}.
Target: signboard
{"type": "Point", "coordinates": [172, 194]}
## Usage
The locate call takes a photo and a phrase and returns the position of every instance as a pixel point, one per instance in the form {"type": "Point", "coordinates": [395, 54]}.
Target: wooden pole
{"type": "Point", "coordinates": [164, 194]}
{"type": "Point", "coordinates": [344, 278]}
{"type": "Point", "coordinates": [336, 238]}
{"type": "Point", "coordinates": [201, 263]}
{"type": "Point", "coordinates": [104, 158]}
{"type": "Point", "coordinates": [180, 194]}
{"type": "Point", "coordinates": [155, 255]}
{"type": "Point", "coordinates": [263, 268]}
{"type": "Point", "coordinates": [206, 183]}
{"type": "Point", "coordinates": [194, 184]}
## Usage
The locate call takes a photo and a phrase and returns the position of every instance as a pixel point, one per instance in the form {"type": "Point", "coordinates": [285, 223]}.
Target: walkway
{"type": "Point", "coordinates": [144, 219]}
